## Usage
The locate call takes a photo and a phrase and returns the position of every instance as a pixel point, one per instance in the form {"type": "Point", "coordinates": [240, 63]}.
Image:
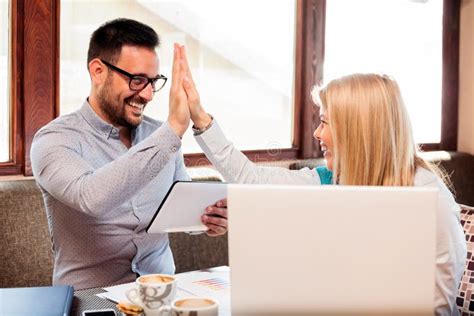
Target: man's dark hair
{"type": "Point", "coordinates": [107, 41]}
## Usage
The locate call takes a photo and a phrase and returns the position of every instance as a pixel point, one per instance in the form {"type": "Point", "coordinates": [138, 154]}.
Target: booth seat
{"type": "Point", "coordinates": [26, 252]}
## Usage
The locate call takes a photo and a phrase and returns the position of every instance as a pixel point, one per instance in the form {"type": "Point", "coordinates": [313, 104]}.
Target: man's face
{"type": "Point", "coordinates": [121, 105]}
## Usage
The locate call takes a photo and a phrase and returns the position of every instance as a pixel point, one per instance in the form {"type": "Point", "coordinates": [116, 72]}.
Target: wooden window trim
{"type": "Point", "coordinates": [35, 80]}
{"type": "Point", "coordinates": [310, 72]}
{"type": "Point", "coordinates": [16, 162]}
{"type": "Point", "coordinates": [450, 77]}
{"type": "Point", "coordinates": [35, 77]}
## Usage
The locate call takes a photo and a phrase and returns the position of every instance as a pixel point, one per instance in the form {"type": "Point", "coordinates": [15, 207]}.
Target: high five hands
{"type": "Point", "coordinates": [179, 115]}
{"type": "Point", "coordinates": [185, 105]}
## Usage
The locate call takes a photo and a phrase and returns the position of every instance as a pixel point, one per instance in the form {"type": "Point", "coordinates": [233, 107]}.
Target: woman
{"type": "Point", "coordinates": [366, 137]}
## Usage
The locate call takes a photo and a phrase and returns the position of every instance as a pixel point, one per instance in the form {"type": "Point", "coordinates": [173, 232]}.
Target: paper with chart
{"type": "Point", "coordinates": [213, 283]}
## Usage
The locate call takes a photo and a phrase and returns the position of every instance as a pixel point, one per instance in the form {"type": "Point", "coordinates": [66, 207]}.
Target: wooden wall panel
{"type": "Point", "coordinates": [40, 69]}
{"type": "Point", "coordinates": [450, 96]}
{"type": "Point", "coordinates": [16, 163]}
{"type": "Point", "coordinates": [312, 54]}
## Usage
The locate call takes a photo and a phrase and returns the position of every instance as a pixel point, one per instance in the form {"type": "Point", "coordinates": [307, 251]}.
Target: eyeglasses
{"type": "Point", "coordinates": [137, 82]}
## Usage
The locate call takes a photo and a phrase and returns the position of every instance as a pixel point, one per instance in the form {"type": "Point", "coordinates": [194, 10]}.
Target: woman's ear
{"type": "Point", "coordinates": [97, 71]}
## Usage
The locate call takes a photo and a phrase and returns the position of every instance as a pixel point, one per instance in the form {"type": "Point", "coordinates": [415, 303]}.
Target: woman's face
{"type": "Point", "coordinates": [323, 135]}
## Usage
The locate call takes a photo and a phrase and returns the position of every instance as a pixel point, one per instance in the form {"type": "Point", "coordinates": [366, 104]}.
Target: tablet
{"type": "Point", "coordinates": [183, 206]}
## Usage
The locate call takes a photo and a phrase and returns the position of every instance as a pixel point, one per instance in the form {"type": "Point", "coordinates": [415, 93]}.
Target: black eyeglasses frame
{"type": "Point", "coordinates": [132, 77]}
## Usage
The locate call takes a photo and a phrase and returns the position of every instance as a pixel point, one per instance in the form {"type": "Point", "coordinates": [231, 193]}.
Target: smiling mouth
{"type": "Point", "coordinates": [325, 150]}
{"type": "Point", "coordinates": [136, 105]}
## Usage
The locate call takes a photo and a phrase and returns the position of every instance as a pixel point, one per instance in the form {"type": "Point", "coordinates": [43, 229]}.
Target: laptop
{"type": "Point", "coordinates": [332, 250]}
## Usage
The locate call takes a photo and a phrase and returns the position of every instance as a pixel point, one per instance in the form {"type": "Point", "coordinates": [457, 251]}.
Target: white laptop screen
{"type": "Point", "coordinates": [331, 249]}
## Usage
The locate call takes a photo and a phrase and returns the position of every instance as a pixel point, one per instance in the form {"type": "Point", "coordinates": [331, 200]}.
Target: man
{"type": "Point", "coordinates": [105, 168]}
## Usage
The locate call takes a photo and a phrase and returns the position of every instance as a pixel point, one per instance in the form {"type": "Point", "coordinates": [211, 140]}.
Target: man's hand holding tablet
{"type": "Point", "coordinates": [215, 218]}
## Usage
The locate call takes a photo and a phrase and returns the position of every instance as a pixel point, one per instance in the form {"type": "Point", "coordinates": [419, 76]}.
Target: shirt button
{"type": "Point", "coordinates": [174, 149]}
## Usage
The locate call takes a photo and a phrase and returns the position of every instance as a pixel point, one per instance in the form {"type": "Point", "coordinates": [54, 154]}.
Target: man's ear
{"type": "Point", "coordinates": [97, 71]}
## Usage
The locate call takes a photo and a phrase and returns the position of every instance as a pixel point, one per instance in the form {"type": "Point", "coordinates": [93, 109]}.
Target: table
{"type": "Point", "coordinates": [88, 300]}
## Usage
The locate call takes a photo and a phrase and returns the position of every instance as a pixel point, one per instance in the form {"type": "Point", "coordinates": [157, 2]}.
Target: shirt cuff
{"type": "Point", "coordinates": [199, 131]}
{"type": "Point", "coordinates": [213, 139]}
{"type": "Point", "coordinates": [174, 139]}
{"type": "Point", "coordinates": [164, 137]}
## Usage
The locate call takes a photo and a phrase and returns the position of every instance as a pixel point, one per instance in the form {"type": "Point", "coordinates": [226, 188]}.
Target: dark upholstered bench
{"type": "Point", "coordinates": [26, 252]}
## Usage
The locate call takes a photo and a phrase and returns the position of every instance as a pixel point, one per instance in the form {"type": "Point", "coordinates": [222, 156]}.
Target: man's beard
{"type": "Point", "coordinates": [115, 110]}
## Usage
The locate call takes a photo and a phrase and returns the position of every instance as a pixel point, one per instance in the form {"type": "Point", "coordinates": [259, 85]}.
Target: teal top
{"type": "Point", "coordinates": [324, 174]}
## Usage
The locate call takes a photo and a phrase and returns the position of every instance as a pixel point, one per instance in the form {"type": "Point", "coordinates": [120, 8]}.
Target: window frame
{"type": "Point", "coordinates": [35, 91]}
{"type": "Point", "coordinates": [14, 165]}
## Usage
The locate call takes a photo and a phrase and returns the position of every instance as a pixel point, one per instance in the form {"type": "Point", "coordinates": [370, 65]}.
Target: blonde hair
{"type": "Point", "coordinates": [371, 131]}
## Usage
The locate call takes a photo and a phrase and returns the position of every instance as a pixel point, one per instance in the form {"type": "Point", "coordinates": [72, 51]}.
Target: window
{"type": "Point", "coordinates": [34, 84]}
{"type": "Point", "coordinates": [4, 82]}
{"type": "Point", "coordinates": [244, 69]}
{"type": "Point", "coordinates": [401, 38]}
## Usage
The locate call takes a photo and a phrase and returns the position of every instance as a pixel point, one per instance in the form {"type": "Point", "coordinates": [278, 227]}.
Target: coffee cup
{"type": "Point", "coordinates": [191, 306]}
{"type": "Point", "coordinates": [152, 292]}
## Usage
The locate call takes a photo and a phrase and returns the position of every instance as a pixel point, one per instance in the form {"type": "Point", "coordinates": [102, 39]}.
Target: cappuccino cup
{"type": "Point", "coordinates": [191, 306]}
{"type": "Point", "coordinates": [152, 292]}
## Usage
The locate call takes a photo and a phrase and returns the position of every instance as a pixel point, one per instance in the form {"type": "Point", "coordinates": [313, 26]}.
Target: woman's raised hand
{"type": "Point", "coordinates": [200, 118]}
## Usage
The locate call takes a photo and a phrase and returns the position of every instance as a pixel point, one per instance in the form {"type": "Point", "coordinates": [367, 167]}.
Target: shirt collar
{"type": "Point", "coordinates": [108, 130]}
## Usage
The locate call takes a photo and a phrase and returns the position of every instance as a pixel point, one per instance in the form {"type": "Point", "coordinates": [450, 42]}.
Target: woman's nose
{"type": "Point", "coordinates": [317, 132]}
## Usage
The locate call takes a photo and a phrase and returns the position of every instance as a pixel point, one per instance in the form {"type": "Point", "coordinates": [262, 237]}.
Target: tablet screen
{"type": "Point", "coordinates": [183, 205]}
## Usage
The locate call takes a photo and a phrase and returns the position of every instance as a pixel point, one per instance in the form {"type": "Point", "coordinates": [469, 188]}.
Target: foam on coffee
{"type": "Point", "coordinates": [156, 278]}
{"type": "Point", "coordinates": [194, 302]}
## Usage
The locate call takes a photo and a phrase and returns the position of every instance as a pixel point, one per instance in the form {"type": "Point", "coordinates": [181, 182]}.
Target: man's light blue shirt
{"type": "Point", "coordinates": [100, 196]}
